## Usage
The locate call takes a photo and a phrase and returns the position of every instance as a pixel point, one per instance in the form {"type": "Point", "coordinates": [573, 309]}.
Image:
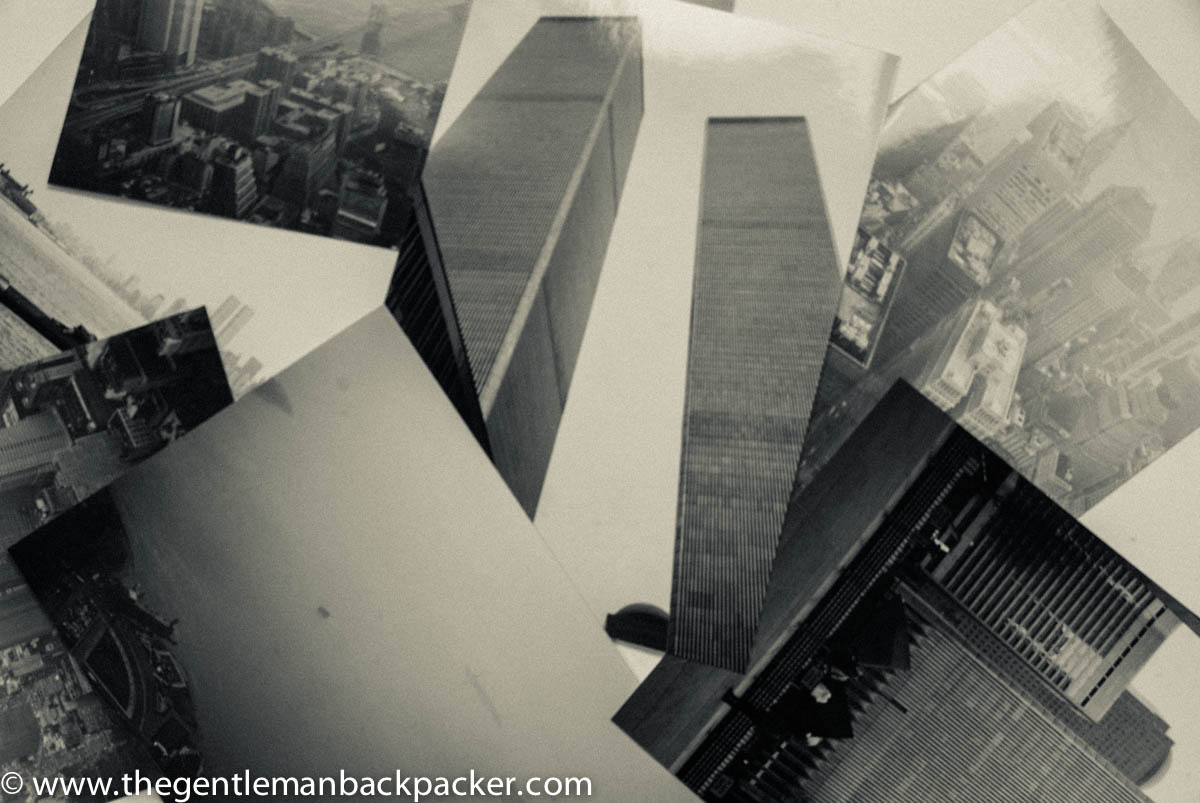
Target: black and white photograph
{"type": "Point", "coordinates": [723, 400]}
{"type": "Point", "coordinates": [934, 628]}
{"type": "Point", "coordinates": [1028, 257]}
{"type": "Point", "coordinates": [72, 423]}
{"type": "Point", "coordinates": [314, 590]}
{"type": "Point", "coordinates": [309, 116]}
{"type": "Point", "coordinates": [111, 266]}
{"type": "Point", "coordinates": [562, 190]}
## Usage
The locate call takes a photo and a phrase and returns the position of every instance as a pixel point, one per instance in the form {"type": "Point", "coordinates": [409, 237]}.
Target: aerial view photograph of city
{"type": "Point", "coordinates": [308, 116]}
{"type": "Point", "coordinates": [738, 401]}
{"type": "Point", "coordinates": [73, 423]}
{"type": "Point", "coordinates": [1029, 258]}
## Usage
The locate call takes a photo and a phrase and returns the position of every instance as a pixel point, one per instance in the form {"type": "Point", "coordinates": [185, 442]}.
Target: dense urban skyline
{"type": "Point", "coordinates": [1027, 259]}
{"type": "Point", "coordinates": [1003, 322]}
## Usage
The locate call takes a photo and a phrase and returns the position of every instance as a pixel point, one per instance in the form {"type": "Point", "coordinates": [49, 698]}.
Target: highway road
{"type": "Point", "coordinates": [84, 116]}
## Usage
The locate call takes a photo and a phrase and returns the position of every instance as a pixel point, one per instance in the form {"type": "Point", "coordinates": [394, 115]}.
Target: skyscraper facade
{"type": "Point", "coordinates": [420, 301]}
{"type": "Point", "coordinates": [523, 189]}
{"type": "Point", "coordinates": [277, 64]}
{"type": "Point", "coordinates": [1034, 175]}
{"type": "Point", "coordinates": [963, 731]}
{"type": "Point", "coordinates": [764, 296]}
{"type": "Point", "coordinates": [876, 675]}
{"type": "Point", "coordinates": [362, 203]}
{"type": "Point", "coordinates": [1180, 274]}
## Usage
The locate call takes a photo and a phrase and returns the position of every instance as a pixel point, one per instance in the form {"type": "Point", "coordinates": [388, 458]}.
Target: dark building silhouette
{"type": "Point", "coordinates": [160, 113]}
{"type": "Point", "coordinates": [258, 109]}
{"type": "Point", "coordinates": [877, 676]}
{"type": "Point", "coordinates": [523, 189]}
{"type": "Point", "coordinates": [420, 301]}
{"type": "Point", "coordinates": [362, 204]}
{"type": "Point", "coordinates": [51, 330]}
{"type": "Point", "coordinates": [763, 299]}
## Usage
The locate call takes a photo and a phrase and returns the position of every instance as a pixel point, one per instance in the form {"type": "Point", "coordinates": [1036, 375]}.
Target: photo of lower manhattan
{"type": "Point", "coordinates": [119, 697]}
{"type": "Point", "coordinates": [935, 628]}
{"type": "Point", "coordinates": [1028, 258]}
{"type": "Point", "coordinates": [308, 116]}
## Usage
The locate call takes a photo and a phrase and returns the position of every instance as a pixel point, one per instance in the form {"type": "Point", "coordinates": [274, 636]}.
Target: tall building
{"type": "Point", "coordinates": [1180, 274]}
{"type": "Point", "coordinates": [1102, 230]}
{"type": "Point", "coordinates": [28, 448]}
{"type": "Point", "coordinates": [338, 114]}
{"type": "Point", "coordinates": [980, 361]}
{"type": "Point", "coordinates": [233, 190]}
{"type": "Point", "coordinates": [763, 300]}
{"type": "Point", "coordinates": [419, 299]}
{"type": "Point", "coordinates": [229, 328]}
{"type": "Point", "coordinates": [309, 168]}
{"type": "Point", "coordinates": [223, 313]}
{"type": "Point", "coordinates": [962, 727]}
{"type": "Point", "coordinates": [1031, 177]}
{"type": "Point", "coordinates": [278, 64]}
{"type": "Point", "coordinates": [171, 27]}
{"type": "Point", "coordinates": [233, 27]}
{"type": "Point", "coordinates": [523, 189]}
{"type": "Point", "coordinates": [216, 108]}
{"type": "Point", "coordinates": [935, 629]}
{"type": "Point", "coordinates": [160, 114]}
{"type": "Point", "coordinates": [362, 203]}
{"type": "Point", "coordinates": [944, 270]}
{"type": "Point", "coordinates": [1068, 309]}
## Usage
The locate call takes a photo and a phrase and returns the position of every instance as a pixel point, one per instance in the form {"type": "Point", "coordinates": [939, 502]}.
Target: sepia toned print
{"type": "Point", "coordinates": [1028, 258]}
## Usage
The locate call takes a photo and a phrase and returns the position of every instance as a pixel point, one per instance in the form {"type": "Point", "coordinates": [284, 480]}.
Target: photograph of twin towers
{"type": "Point", "coordinates": [667, 460]}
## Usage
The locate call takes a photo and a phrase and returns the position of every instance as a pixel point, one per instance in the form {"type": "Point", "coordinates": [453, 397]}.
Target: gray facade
{"type": "Point", "coordinates": [931, 698]}
{"type": "Point", "coordinates": [763, 300]}
{"type": "Point", "coordinates": [523, 189]}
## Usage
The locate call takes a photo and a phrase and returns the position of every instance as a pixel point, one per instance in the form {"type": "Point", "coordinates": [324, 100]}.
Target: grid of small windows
{"type": "Point", "coordinates": [764, 296]}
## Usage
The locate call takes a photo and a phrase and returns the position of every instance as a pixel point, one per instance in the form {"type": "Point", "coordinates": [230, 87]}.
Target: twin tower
{"type": "Point", "coordinates": [816, 629]}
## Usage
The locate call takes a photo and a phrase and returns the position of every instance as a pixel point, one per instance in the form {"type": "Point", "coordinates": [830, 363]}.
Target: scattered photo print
{"type": "Point", "coordinates": [1028, 257]}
